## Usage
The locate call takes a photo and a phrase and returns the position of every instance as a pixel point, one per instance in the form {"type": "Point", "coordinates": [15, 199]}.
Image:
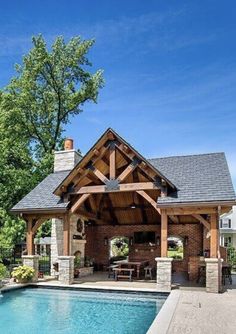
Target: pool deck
{"type": "Point", "coordinates": [197, 312]}
{"type": "Point", "coordinates": [186, 310]}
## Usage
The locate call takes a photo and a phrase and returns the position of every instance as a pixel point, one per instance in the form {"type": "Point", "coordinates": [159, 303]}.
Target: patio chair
{"type": "Point", "coordinates": [148, 272]}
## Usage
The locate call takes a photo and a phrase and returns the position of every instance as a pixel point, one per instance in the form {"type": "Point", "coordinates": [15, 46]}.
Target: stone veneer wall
{"type": "Point", "coordinates": [77, 245]}
{"type": "Point", "coordinates": [56, 242]}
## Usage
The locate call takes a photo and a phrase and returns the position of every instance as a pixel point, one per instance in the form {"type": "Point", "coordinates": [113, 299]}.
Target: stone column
{"type": "Point", "coordinates": [164, 266]}
{"type": "Point", "coordinates": [56, 242]}
{"type": "Point", "coordinates": [33, 262]}
{"type": "Point", "coordinates": [213, 275]}
{"type": "Point", "coordinates": [66, 269]}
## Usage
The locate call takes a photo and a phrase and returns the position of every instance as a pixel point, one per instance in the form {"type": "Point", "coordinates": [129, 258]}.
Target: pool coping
{"type": "Point", "coordinates": [161, 323]}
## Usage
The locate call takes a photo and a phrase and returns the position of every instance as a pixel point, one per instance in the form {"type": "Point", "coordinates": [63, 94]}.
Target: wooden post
{"type": "Point", "coordinates": [214, 242]}
{"type": "Point", "coordinates": [66, 236]}
{"type": "Point", "coordinates": [164, 233]}
{"type": "Point", "coordinates": [112, 162]}
{"type": "Point", "coordinates": [30, 238]}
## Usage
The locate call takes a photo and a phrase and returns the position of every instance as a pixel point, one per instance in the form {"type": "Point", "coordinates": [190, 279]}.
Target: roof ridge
{"type": "Point", "coordinates": [187, 155]}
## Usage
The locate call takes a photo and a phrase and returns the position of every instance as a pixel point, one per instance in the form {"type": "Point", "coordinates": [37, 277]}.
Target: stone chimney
{"type": "Point", "coordinates": [68, 158]}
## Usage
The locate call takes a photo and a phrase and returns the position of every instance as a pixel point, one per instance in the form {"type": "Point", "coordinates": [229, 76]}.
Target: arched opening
{"type": "Point", "coordinates": [175, 247]}
{"type": "Point", "coordinates": [119, 248]}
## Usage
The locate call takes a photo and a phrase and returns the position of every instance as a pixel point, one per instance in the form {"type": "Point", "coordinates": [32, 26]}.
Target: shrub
{"type": "Point", "coordinates": [3, 271]}
{"type": "Point", "coordinates": [77, 262]}
{"type": "Point", "coordinates": [23, 274]}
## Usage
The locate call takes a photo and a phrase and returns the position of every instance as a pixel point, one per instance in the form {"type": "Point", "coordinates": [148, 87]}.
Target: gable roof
{"type": "Point", "coordinates": [198, 178]}
{"type": "Point", "coordinates": [99, 143]}
{"type": "Point", "coordinates": [193, 178]}
{"type": "Point", "coordinates": [42, 197]}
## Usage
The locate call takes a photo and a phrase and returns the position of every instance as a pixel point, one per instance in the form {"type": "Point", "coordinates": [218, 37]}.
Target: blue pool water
{"type": "Point", "coordinates": [44, 311]}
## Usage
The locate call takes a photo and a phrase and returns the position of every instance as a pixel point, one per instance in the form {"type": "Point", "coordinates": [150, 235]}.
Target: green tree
{"type": "Point", "coordinates": [51, 85]}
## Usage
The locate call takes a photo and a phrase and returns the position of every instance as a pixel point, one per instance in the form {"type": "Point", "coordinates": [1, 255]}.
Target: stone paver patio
{"type": "Point", "coordinates": [198, 312]}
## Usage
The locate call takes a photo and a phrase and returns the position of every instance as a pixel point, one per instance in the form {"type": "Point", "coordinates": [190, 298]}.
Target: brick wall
{"type": "Point", "coordinates": [96, 249]}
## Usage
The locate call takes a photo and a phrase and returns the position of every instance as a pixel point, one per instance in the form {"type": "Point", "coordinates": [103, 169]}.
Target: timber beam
{"type": "Point", "coordinates": [190, 211]}
{"type": "Point", "coordinates": [79, 202]}
{"type": "Point", "coordinates": [120, 188]}
{"type": "Point", "coordinates": [149, 199]}
{"type": "Point", "coordinates": [175, 219]}
{"type": "Point", "coordinates": [202, 220]}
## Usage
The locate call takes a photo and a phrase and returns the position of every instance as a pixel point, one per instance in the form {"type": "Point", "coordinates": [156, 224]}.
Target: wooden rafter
{"type": "Point", "coordinates": [129, 169]}
{"type": "Point", "coordinates": [149, 199]}
{"type": "Point", "coordinates": [202, 220]}
{"type": "Point", "coordinates": [175, 219]}
{"type": "Point", "coordinates": [144, 167]}
{"type": "Point", "coordinates": [79, 202]}
{"type": "Point", "coordinates": [121, 188]}
{"type": "Point", "coordinates": [99, 174]}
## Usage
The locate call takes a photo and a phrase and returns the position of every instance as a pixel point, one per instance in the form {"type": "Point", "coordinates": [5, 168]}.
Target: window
{"type": "Point", "coordinates": [226, 223]}
{"type": "Point", "coordinates": [221, 223]}
{"type": "Point", "coordinates": [228, 241]}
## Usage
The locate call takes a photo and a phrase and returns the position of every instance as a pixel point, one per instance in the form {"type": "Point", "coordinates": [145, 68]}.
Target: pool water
{"type": "Point", "coordinates": [52, 311]}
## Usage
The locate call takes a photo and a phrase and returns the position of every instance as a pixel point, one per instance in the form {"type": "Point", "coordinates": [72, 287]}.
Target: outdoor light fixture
{"type": "Point", "coordinates": [131, 241]}
{"type": "Point", "coordinates": [186, 240]}
{"type": "Point", "coordinates": [158, 240]}
{"type": "Point", "coordinates": [105, 241]}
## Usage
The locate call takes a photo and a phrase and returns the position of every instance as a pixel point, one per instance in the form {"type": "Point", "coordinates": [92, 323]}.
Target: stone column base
{"type": "Point", "coordinates": [66, 269]}
{"type": "Point", "coordinates": [213, 275]}
{"type": "Point", "coordinates": [33, 262]}
{"type": "Point", "coordinates": [164, 266]}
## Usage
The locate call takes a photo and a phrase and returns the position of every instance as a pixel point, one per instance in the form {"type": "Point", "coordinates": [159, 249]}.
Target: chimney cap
{"type": "Point", "coordinates": [68, 144]}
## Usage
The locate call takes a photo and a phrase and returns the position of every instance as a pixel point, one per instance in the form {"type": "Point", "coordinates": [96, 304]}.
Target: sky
{"type": "Point", "coordinates": [169, 69]}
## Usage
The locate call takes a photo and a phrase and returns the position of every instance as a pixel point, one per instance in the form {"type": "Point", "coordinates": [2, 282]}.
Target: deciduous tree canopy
{"type": "Point", "coordinates": [51, 85]}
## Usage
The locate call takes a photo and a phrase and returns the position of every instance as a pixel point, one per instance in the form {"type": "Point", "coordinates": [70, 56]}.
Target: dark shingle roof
{"type": "Point", "coordinates": [198, 178]}
{"type": "Point", "coordinates": [42, 197]}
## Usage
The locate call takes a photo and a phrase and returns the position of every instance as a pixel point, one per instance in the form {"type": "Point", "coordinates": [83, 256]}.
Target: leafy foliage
{"type": "Point", "coordinates": [23, 273]}
{"type": "Point", "coordinates": [3, 271]}
{"type": "Point", "coordinates": [51, 85]}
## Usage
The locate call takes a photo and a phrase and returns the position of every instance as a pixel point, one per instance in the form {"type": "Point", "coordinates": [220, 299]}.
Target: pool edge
{"type": "Point", "coordinates": [161, 323]}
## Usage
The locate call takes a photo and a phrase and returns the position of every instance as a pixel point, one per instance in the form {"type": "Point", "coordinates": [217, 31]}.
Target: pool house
{"type": "Point", "coordinates": [114, 195]}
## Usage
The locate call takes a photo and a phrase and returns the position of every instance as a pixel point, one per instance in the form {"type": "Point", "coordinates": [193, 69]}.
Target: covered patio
{"type": "Point", "coordinates": [113, 191]}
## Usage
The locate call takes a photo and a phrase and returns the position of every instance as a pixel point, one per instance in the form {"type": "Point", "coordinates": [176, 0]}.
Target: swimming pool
{"type": "Point", "coordinates": [86, 312]}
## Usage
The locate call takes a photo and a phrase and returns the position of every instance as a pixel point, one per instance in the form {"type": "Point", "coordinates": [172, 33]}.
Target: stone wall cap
{"type": "Point", "coordinates": [30, 256]}
{"type": "Point", "coordinates": [63, 257]}
{"type": "Point", "coordinates": [164, 259]}
{"type": "Point", "coordinates": [213, 260]}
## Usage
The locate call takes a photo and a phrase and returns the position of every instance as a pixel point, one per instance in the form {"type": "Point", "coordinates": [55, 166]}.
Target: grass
{"type": "Point", "coordinates": [176, 254]}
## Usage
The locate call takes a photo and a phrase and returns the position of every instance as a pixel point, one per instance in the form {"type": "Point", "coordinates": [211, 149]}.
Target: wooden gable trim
{"type": "Point", "coordinates": [97, 152]}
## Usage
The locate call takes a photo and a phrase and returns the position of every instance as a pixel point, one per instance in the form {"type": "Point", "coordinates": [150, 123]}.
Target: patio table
{"type": "Point", "coordinates": [137, 264]}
